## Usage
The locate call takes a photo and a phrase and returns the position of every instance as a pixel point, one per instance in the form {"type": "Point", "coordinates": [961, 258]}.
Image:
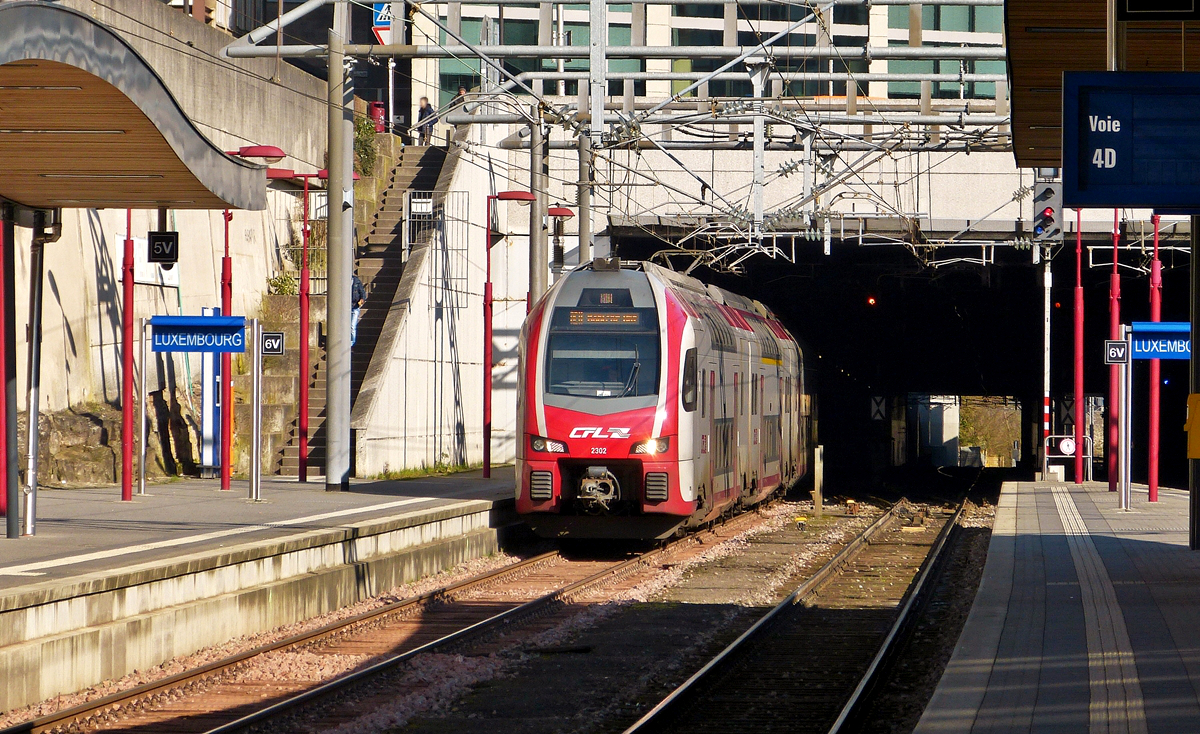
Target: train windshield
{"type": "Point", "coordinates": [602, 364]}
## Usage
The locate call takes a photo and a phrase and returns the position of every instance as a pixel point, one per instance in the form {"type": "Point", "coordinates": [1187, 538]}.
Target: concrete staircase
{"type": "Point", "coordinates": [380, 265]}
{"type": "Point", "coordinates": [281, 387]}
{"type": "Point", "coordinates": [418, 171]}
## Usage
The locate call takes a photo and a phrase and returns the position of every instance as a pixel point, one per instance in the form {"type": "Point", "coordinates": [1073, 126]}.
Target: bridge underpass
{"type": "Point", "coordinates": [966, 330]}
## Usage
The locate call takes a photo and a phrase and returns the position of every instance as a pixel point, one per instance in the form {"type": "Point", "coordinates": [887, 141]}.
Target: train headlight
{"type": "Point", "coordinates": [652, 446]}
{"type": "Point", "coordinates": [547, 445]}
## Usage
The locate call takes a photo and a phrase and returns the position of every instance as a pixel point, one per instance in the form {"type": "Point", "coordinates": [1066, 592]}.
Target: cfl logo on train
{"type": "Point", "coordinates": [582, 432]}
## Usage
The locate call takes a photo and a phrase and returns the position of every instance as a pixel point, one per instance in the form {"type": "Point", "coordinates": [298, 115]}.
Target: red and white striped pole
{"type": "Point", "coordinates": [1047, 283]}
{"type": "Point", "coordinates": [1079, 408]}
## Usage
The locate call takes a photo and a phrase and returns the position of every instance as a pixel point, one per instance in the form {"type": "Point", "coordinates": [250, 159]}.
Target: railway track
{"type": "Point", "coordinates": [213, 698]}
{"type": "Point", "coordinates": [807, 664]}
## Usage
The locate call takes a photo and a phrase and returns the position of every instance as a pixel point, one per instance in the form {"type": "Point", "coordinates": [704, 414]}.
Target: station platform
{"type": "Point", "coordinates": [1087, 619]}
{"type": "Point", "coordinates": [108, 587]}
{"type": "Point", "coordinates": [91, 530]}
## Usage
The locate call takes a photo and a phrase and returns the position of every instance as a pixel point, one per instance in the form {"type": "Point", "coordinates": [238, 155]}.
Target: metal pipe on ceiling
{"type": "Point", "coordinates": [791, 76]}
{"type": "Point", "coordinates": [976, 3]}
{"type": "Point", "coordinates": [950, 146]}
{"type": "Point", "coordinates": [801, 118]}
{"type": "Point", "coordinates": [868, 53]}
{"type": "Point", "coordinates": [881, 53]}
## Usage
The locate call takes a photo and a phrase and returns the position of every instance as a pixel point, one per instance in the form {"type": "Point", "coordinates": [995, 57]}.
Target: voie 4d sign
{"type": "Point", "coordinates": [1131, 139]}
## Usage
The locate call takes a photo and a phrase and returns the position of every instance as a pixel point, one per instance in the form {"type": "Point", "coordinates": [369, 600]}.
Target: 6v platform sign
{"type": "Point", "coordinates": [272, 343]}
{"type": "Point", "coordinates": [163, 248]}
{"type": "Point", "coordinates": [1116, 351]}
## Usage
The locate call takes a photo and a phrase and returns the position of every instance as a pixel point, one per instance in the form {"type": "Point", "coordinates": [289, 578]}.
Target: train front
{"type": "Point", "coordinates": [598, 455]}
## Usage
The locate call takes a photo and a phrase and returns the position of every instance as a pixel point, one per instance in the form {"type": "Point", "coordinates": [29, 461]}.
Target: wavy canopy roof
{"type": "Point", "coordinates": [85, 122]}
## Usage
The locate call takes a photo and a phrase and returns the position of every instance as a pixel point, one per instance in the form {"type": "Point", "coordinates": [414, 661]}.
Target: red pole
{"type": "Point", "coordinates": [305, 369]}
{"type": "Point", "coordinates": [1079, 411]}
{"type": "Point", "coordinates": [226, 364]}
{"type": "Point", "coordinates": [487, 346]}
{"type": "Point", "coordinates": [127, 363]}
{"type": "Point", "coordinates": [1155, 373]}
{"type": "Point", "coordinates": [1114, 375]}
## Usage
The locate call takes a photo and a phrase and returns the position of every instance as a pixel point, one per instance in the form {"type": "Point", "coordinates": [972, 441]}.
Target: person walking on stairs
{"type": "Point", "coordinates": [358, 296]}
{"type": "Point", "coordinates": [425, 117]}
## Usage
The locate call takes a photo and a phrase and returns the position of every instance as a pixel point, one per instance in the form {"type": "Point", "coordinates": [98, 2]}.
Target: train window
{"type": "Point", "coordinates": [687, 391]}
{"type": "Point", "coordinates": [602, 364]}
{"type": "Point", "coordinates": [703, 390]}
{"type": "Point", "coordinates": [712, 392]}
{"type": "Point", "coordinates": [736, 397]}
{"type": "Point", "coordinates": [753, 395]}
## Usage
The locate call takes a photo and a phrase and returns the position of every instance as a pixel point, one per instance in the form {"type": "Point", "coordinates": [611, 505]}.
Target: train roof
{"type": "Point", "coordinates": [687, 282]}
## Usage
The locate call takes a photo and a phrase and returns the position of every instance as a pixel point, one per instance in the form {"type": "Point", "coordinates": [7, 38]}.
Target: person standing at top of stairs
{"type": "Point", "coordinates": [425, 116]}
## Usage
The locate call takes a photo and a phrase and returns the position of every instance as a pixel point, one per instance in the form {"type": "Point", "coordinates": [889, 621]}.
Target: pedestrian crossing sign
{"type": "Point", "coordinates": [381, 22]}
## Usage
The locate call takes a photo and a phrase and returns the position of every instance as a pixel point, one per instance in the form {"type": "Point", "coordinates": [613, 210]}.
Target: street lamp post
{"type": "Point", "coordinates": [127, 362]}
{"type": "Point", "coordinates": [524, 197]}
{"type": "Point", "coordinates": [1155, 367]}
{"type": "Point", "coordinates": [1115, 414]}
{"type": "Point", "coordinates": [305, 375]}
{"type": "Point", "coordinates": [560, 214]}
{"type": "Point", "coordinates": [268, 154]}
{"type": "Point", "coordinates": [226, 361]}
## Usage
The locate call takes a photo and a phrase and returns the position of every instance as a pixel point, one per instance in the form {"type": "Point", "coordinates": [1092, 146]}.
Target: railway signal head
{"type": "Point", "coordinates": [1047, 212]}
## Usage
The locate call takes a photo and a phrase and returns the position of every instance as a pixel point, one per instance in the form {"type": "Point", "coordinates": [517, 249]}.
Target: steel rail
{"type": "Point", "coordinates": [77, 713]}
{"type": "Point", "coordinates": [655, 716]}
{"type": "Point", "coordinates": [528, 610]}
{"type": "Point", "coordinates": [532, 608]}
{"type": "Point", "coordinates": [889, 647]}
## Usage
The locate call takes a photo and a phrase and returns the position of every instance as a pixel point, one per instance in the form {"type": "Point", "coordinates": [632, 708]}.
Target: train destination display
{"type": "Point", "coordinates": [1131, 139]}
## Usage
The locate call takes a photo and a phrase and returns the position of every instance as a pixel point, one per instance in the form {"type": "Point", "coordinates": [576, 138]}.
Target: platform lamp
{"type": "Point", "coordinates": [266, 154]}
{"type": "Point", "coordinates": [560, 214]}
{"type": "Point", "coordinates": [525, 198]}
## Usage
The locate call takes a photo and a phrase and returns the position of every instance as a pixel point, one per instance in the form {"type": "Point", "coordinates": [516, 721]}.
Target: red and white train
{"type": "Point", "coordinates": [651, 402]}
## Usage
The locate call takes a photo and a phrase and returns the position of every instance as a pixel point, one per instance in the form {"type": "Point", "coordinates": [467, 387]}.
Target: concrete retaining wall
{"type": "Point", "coordinates": [421, 402]}
{"type": "Point", "coordinates": [60, 637]}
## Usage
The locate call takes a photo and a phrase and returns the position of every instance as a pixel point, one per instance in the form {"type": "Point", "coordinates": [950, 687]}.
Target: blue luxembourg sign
{"type": "Point", "coordinates": [198, 333]}
{"type": "Point", "coordinates": [1161, 340]}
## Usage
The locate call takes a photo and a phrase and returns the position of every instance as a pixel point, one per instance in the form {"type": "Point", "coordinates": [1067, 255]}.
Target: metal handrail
{"type": "Point", "coordinates": [1088, 447]}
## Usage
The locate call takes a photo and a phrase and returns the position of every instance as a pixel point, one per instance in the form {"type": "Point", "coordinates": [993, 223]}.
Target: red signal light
{"type": "Point", "coordinates": [1048, 211]}
{"type": "Point", "coordinates": [870, 300]}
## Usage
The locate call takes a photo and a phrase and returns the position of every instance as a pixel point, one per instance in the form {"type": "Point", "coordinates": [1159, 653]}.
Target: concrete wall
{"type": "Point", "coordinates": [232, 103]}
{"type": "Point", "coordinates": [421, 404]}
{"type": "Point", "coordinates": [63, 636]}
{"type": "Point", "coordinates": [82, 304]}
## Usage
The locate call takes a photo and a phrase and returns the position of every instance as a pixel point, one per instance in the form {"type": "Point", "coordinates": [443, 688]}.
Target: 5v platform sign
{"type": "Point", "coordinates": [163, 248]}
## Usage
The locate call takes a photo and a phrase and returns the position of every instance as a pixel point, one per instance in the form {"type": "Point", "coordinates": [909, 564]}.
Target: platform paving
{"type": "Point", "coordinates": [84, 531]}
{"type": "Point", "coordinates": [1087, 619]}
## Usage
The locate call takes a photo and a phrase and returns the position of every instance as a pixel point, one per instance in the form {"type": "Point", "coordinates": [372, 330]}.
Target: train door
{"type": "Point", "coordinates": [735, 430]}
{"type": "Point", "coordinates": [754, 473]}
{"type": "Point", "coordinates": [705, 423]}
